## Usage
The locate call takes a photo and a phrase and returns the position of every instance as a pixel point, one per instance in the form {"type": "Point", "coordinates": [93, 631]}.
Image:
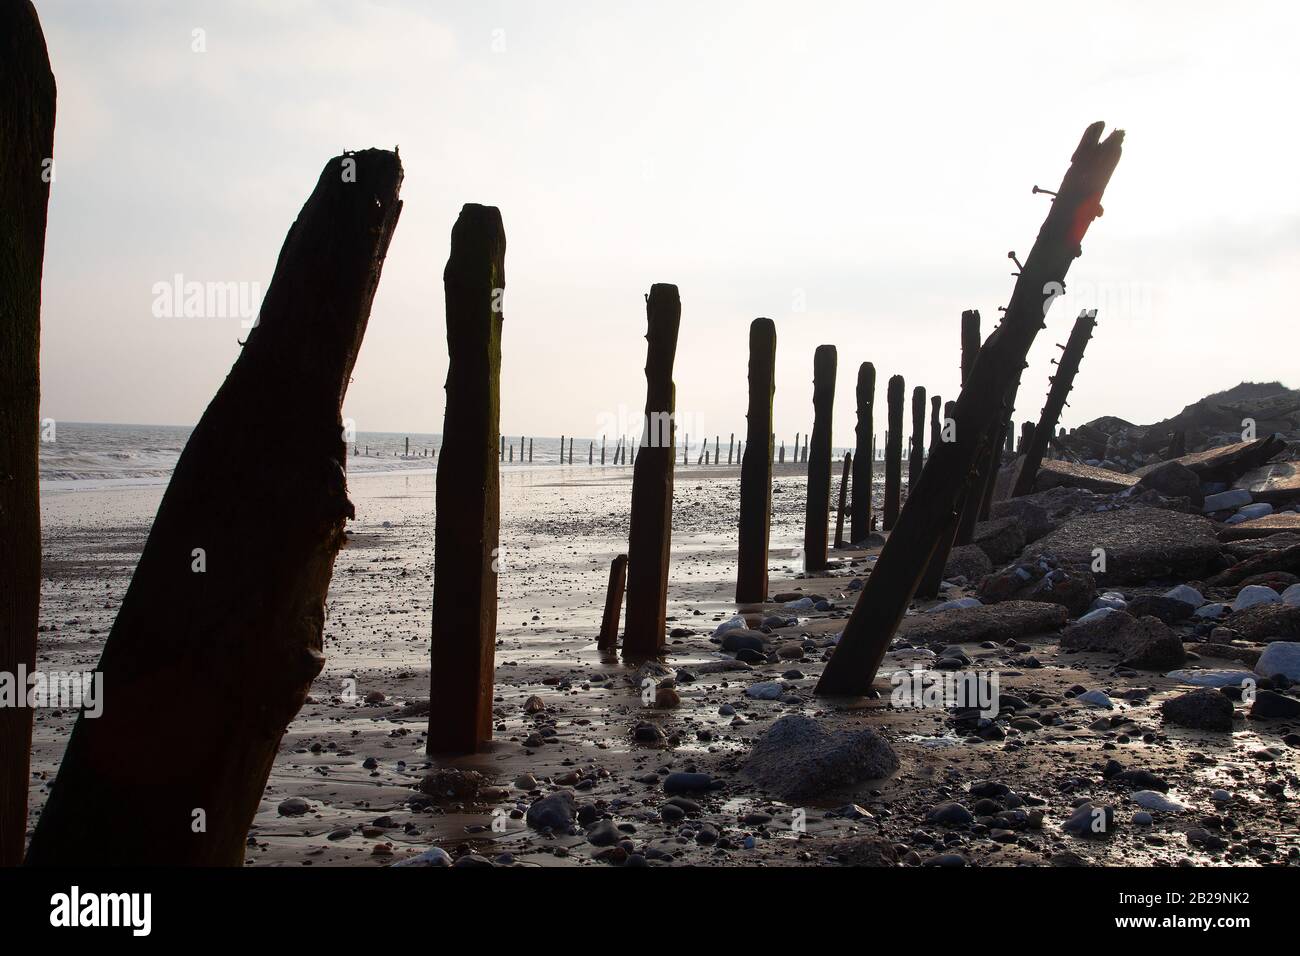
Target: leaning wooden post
{"type": "Point", "coordinates": [467, 503]}
{"type": "Point", "coordinates": [27, 109]}
{"type": "Point", "coordinates": [893, 451]}
{"type": "Point", "coordinates": [844, 489]}
{"type": "Point", "coordinates": [916, 461]}
{"type": "Point", "coordinates": [227, 603]}
{"type": "Point", "coordinates": [650, 533]}
{"type": "Point", "coordinates": [860, 511]}
{"type": "Point", "coordinates": [1062, 382]}
{"type": "Point", "coordinates": [613, 603]}
{"type": "Point", "coordinates": [980, 409]}
{"type": "Point", "coordinates": [817, 511]}
{"type": "Point", "coordinates": [756, 466]}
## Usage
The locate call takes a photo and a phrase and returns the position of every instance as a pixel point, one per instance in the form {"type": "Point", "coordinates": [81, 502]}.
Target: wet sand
{"type": "Point", "coordinates": [358, 759]}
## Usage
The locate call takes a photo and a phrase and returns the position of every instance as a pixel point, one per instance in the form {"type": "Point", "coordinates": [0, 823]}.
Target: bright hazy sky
{"type": "Point", "coordinates": [870, 161]}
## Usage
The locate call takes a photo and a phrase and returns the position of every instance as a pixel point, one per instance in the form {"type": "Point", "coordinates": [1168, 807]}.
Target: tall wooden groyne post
{"type": "Point", "coordinates": [26, 169]}
{"type": "Point", "coordinates": [817, 511]}
{"type": "Point", "coordinates": [863, 453]}
{"type": "Point", "coordinates": [916, 459]}
{"type": "Point", "coordinates": [893, 451]}
{"type": "Point", "coordinates": [466, 556]}
{"type": "Point", "coordinates": [650, 533]}
{"type": "Point", "coordinates": [227, 603]}
{"type": "Point", "coordinates": [981, 408]}
{"type": "Point", "coordinates": [756, 466]}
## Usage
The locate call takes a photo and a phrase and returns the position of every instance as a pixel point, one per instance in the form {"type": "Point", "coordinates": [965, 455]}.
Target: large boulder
{"type": "Point", "coordinates": [1000, 538]}
{"type": "Point", "coordinates": [1282, 657]}
{"type": "Point", "coordinates": [1204, 709]}
{"type": "Point", "coordinates": [1227, 462]}
{"type": "Point", "coordinates": [987, 622]}
{"type": "Point", "coordinates": [1053, 474]}
{"type": "Point", "coordinates": [1143, 643]}
{"type": "Point", "coordinates": [967, 561]}
{"type": "Point", "coordinates": [1264, 623]}
{"type": "Point", "coordinates": [798, 758]}
{"type": "Point", "coordinates": [1041, 580]}
{"type": "Point", "coordinates": [1136, 545]}
{"type": "Point", "coordinates": [1174, 480]}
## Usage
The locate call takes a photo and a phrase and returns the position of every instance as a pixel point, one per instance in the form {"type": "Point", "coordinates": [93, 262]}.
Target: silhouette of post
{"type": "Point", "coordinates": [731, 448]}
{"type": "Point", "coordinates": [844, 489]}
{"type": "Point", "coordinates": [936, 425]}
{"type": "Point", "coordinates": [650, 533]}
{"type": "Point", "coordinates": [893, 451]}
{"type": "Point", "coordinates": [613, 603]}
{"type": "Point", "coordinates": [227, 603]}
{"type": "Point", "coordinates": [980, 408]}
{"type": "Point", "coordinates": [467, 508]}
{"type": "Point", "coordinates": [570, 449]}
{"type": "Point", "coordinates": [756, 466]}
{"type": "Point", "coordinates": [916, 460]}
{"type": "Point", "coordinates": [817, 512]}
{"type": "Point", "coordinates": [1062, 382]}
{"type": "Point", "coordinates": [863, 478]}
{"type": "Point", "coordinates": [27, 107]}
{"type": "Point", "coordinates": [970, 348]}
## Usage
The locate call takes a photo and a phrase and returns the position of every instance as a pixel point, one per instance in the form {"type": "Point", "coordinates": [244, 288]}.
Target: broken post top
{"type": "Point", "coordinates": [663, 307]}
{"type": "Point", "coordinates": [478, 249]}
{"type": "Point", "coordinates": [762, 351]}
{"type": "Point", "coordinates": [337, 245]}
{"type": "Point", "coordinates": [970, 341]}
{"type": "Point", "coordinates": [824, 367]}
{"type": "Point", "coordinates": [895, 389]}
{"type": "Point", "coordinates": [866, 382]}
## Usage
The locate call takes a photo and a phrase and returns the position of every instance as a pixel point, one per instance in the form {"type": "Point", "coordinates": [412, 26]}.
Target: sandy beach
{"type": "Point", "coordinates": [346, 785]}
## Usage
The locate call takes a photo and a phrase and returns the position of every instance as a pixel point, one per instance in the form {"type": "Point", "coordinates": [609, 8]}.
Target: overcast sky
{"type": "Point", "coordinates": [857, 172]}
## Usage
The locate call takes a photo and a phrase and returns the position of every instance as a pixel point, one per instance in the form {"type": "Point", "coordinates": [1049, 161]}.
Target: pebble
{"type": "Point", "coordinates": [766, 690]}
{"type": "Point", "coordinates": [1154, 800]}
{"type": "Point", "coordinates": [1096, 698]}
{"type": "Point", "coordinates": [682, 782]}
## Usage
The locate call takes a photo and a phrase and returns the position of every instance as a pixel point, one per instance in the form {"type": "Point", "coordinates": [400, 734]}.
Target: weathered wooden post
{"type": "Point", "coordinates": [980, 408]}
{"type": "Point", "coordinates": [561, 449]}
{"type": "Point", "coordinates": [936, 424]}
{"type": "Point", "coordinates": [503, 448]}
{"type": "Point", "coordinates": [1026, 435]}
{"type": "Point", "coordinates": [844, 489]}
{"type": "Point", "coordinates": [27, 107]}
{"type": "Point", "coordinates": [227, 603]}
{"type": "Point", "coordinates": [1062, 382]}
{"type": "Point", "coordinates": [863, 478]}
{"type": "Point", "coordinates": [731, 448]}
{"type": "Point", "coordinates": [817, 510]}
{"type": "Point", "coordinates": [591, 452]}
{"type": "Point", "coordinates": [805, 448]}
{"type": "Point", "coordinates": [530, 451]}
{"type": "Point", "coordinates": [969, 509]}
{"type": "Point", "coordinates": [467, 509]}
{"type": "Point", "coordinates": [650, 533]}
{"type": "Point", "coordinates": [893, 451]}
{"type": "Point", "coordinates": [602, 449]}
{"type": "Point", "coordinates": [570, 449]}
{"type": "Point", "coordinates": [756, 467]}
{"type": "Point", "coordinates": [782, 453]}
{"type": "Point", "coordinates": [916, 461]}
{"type": "Point", "coordinates": [613, 603]}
